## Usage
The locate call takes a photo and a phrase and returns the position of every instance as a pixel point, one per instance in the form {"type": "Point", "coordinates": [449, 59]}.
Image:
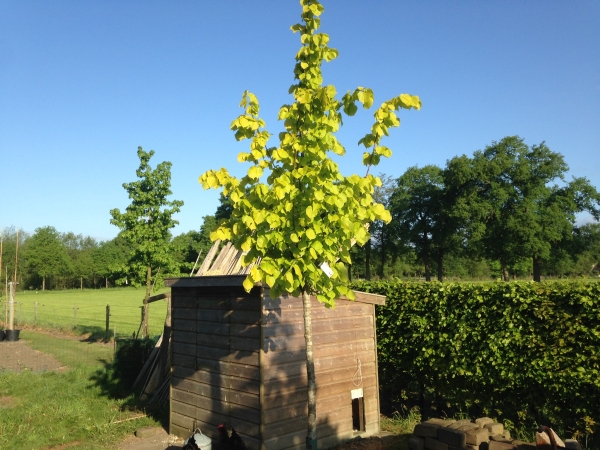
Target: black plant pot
{"type": "Point", "coordinates": [12, 335]}
{"type": "Point", "coordinates": [1, 335]}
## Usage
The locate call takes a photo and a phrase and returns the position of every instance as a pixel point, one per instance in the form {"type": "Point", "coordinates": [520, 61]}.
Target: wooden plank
{"type": "Point", "coordinates": [219, 406]}
{"type": "Point", "coordinates": [188, 337]}
{"type": "Point", "coordinates": [214, 269]}
{"type": "Point", "coordinates": [298, 369]}
{"type": "Point", "coordinates": [319, 326]}
{"type": "Point", "coordinates": [183, 325]}
{"type": "Point", "coordinates": [155, 298]}
{"type": "Point", "coordinates": [220, 368]}
{"type": "Point", "coordinates": [208, 258]}
{"type": "Point", "coordinates": [227, 381]}
{"type": "Point", "coordinates": [221, 354]}
{"type": "Point", "coordinates": [213, 328]}
{"type": "Point", "coordinates": [276, 358]}
{"type": "Point", "coordinates": [183, 300]}
{"type": "Point", "coordinates": [212, 281]}
{"type": "Point", "coordinates": [184, 409]}
{"type": "Point", "coordinates": [237, 397]}
{"type": "Point", "coordinates": [376, 368]}
{"type": "Point", "coordinates": [284, 388]}
{"type": "Point", "coordinates": [213, 315]}
{"type": "Point", "coordinates": [241, 426]}
{"type": "Point", "coordinates": [367, 297]}
{"type": "Point", "coordinates": [225, 316]}
{"type": "Point", "coordinates": [184, 360]}
{"type": "Point", "coordinates": [278, 343]}
{"type": "Point", "coordinates": [183, 313]}
{"type": "Point", "coordinates": [285, 315]}
{"type": "Point", "coordinates": [334, 408]}
{"type": "Point", "coordinates": [325, 430]}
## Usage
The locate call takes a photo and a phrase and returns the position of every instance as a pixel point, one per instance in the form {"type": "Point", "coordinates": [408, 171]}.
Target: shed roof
{"type": "Point", "coordinates": [237, 280]}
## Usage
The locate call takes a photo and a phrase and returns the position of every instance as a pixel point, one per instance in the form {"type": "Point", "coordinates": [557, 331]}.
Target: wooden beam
{"type": "Point", "coordinates": [155, 298]}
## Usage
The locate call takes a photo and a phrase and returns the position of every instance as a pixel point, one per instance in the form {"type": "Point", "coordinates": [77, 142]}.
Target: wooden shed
{"type": "Point", "coordinates": [239, 359]}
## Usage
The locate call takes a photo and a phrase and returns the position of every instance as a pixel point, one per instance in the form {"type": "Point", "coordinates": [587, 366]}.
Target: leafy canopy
{"type": "Point", "coordinates": [147, 221]}
{"type": "Point", "coordinates": [294, 210]}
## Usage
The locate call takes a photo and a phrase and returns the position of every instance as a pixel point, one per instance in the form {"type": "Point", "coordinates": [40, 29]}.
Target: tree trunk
{"type": "Point", "coordinates": [427, 268]}
{"type": "Point", "coordinates": [147, 305]}
{"type": "Point", "coordinates": [106, 279]}
{"type": "Point", "coordinates": [440, 268]}
{"type": "Point", "coordinates": [368, 261]}
{"type": "Point", "coordinates": [381, 272]}
{"type": "Point", "coordinates": [537, 269]}
{"type": "Point", "coordinates": [426, 257]}
{"type": "Point", "coordinates": [81, 282]}
{"type": "Point", "coordinates": [43, 283]}
{"type": "Point", "coordinates": [311, 437]}
{"type": "Point", "coordinates": [505, 275]}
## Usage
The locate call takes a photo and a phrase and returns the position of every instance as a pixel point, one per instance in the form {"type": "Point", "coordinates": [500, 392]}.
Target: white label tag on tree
{"type": "Point", "coordinates": [325, 268]}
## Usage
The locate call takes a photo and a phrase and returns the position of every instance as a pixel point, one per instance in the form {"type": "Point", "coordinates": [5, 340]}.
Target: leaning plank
{"type": "Point", "coordinates": [147, 364]}
{"type": "Point", "coordinates": [214, 269]}
{"type": "Point", "coordinates": [208, 259]}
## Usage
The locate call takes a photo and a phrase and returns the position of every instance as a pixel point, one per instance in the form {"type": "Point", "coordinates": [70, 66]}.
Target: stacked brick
{"type": "Point", "coordinates": [483, 434]}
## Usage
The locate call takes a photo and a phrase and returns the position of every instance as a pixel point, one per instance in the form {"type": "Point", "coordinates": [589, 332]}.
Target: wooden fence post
{"type": "Point", "coordinates": [35, 315]}
{"type": "Point", "coordinates": [75, 316]}
{"type": "Point", "coordinates": [106, 336]}
{"type": "Point", "coordinates": [11, 307]}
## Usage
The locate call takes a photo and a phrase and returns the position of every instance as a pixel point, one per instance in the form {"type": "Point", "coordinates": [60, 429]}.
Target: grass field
{"type": "Point", "coordinates": [55, 309]}
{"type": "Point", "coordinates": [79, 408]}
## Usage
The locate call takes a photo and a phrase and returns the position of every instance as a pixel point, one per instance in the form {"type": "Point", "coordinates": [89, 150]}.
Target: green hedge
{"type": "Point", "coordinates": [526, 352]}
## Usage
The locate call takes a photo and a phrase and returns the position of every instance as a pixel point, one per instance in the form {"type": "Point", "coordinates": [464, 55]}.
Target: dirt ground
{"type": "Point", "coordinates": [162, 441]}
{"type": "Point", "coordinates": [18, 356]}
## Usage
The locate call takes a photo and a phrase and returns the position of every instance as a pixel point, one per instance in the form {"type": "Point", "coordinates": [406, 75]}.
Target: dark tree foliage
{"type": "Point", "coordinates": [46, 255]}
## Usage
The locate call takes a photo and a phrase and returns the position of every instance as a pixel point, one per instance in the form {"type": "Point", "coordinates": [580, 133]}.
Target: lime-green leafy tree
{"type": "Point", "coordinates": [294, 211]}
{"type": "Point", "coordinates": [146, 224]}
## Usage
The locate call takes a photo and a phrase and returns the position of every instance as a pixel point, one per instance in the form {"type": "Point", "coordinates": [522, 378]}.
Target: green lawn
{"type": "Point", "coordinates": [80, 407]}
{"type": "Point", "coordinates": [56, 310]}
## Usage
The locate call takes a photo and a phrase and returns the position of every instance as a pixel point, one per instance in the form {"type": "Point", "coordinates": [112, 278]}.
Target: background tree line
{"type": "Point", "coordinates": [505, 212]}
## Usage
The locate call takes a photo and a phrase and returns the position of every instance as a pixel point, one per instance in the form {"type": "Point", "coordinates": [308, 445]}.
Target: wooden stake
{"type": "Point", "coordinates": [16, 256]}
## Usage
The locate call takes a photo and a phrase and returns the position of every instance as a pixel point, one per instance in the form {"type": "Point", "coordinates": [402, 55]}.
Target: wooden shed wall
{"type": "Point", "coordinates": [341, 337]}
{"type": "Point", "coordinates": [216, 376]}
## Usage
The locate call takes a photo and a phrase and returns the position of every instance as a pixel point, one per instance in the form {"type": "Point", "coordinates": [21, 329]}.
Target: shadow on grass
{"type": "Point", "coordinates": [116, 378]}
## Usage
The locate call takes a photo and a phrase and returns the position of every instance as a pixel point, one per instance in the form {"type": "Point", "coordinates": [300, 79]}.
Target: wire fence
{"type": "Point", "coordinates": [57, 336]}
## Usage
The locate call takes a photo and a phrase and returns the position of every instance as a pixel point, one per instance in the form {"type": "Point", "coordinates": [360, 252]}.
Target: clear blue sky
{"type": "Point", "coordinates": [83, 84]}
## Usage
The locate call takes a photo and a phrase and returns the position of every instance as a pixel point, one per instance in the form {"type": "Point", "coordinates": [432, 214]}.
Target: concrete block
{"type": "Point", "coordinates": [451, 447]}
{"type": "Point", "coordinates": [500, 438]}
{"type": "Point", "coordinates": [472, 447]}
{"type": "Point", "coordinates": [416, 443]}
{"type": "Point", "coordinates": [146, 432]}
{"type": "Point", "coordinates": [425, 429]}
{"type": "Point", "coordinates": [460, 423]}
{"type": "Point", "coordinates": [506, 434]}
{"type": "Point", "coordinates": [483, 421]}
{"type": "Point", "coordinates": [441, 422]}
{"type": "Point", "coordinates": [476, 436]}
{"type": "Point", "coordinates": [494, 428]}
{"type": "Point", "coordinates": [572, 444]}
{"type": "Point", "coordinates": [522, 445]}
{"type": "Point", "coordinates": [495, 445]}
{"type": "Point", "coordinates": [454, 438]}
{"type": "Point", "coordinates": [469, 426]}
{"type": "Point", "coordinates": [434, 444]}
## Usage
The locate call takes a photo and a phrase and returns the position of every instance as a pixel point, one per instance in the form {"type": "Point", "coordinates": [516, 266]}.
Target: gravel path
{"type": "Point", "coordinates": [18, 356]}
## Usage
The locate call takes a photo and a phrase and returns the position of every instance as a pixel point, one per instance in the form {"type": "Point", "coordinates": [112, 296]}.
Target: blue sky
{"type": "Point", "coordinates": [83, 84]}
